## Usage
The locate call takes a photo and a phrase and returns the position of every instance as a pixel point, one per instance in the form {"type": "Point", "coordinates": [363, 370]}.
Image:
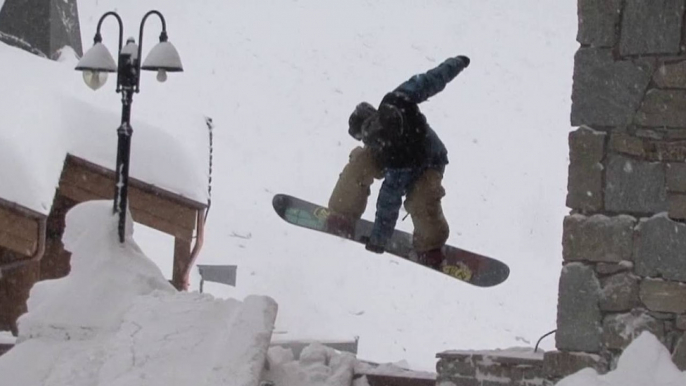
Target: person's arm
{"type": "Point", "coordinates": [421, 87]}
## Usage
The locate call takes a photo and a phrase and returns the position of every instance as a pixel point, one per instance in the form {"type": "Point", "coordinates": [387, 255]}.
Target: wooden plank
{"type": "Point", "coordinates": [102, 187]}
{"type": "Point", "coordinates": [21, 210]}
{"type": "Point", "coordinates": [174, 197]}
{"type": "Point", "coordinates": [19, 245]}
{"type": "Point", "coordinates": [77, 194]}
{"type": "Point", "coordinates": [18, 225]}
{"type": "Point", "coordinates": [162, 225]}
{"type": "Point", "coordinates": [182, 260]}
{"type": "Point", "coordinates": [162, 208]}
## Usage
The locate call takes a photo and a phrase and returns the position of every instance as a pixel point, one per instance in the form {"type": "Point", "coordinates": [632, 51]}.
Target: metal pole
{"type": "Point", "coordinates": [128, 79]}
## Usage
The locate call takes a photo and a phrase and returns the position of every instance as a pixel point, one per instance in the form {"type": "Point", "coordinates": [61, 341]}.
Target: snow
{"type": "Point", "coordinates": [52, 113]}
{"type": "Point", "coordinates": [115, 320]}
{"type": "Point", "coordinates": [7, 338]}
{"type": "Point", "coordinates": [645, 362]}
{"type": "Point", "coordinates": [317, 365]}
{"type": "Point", "coordinates": [279, 80]}
{"type": "Point", "coordinates": [392, 369]}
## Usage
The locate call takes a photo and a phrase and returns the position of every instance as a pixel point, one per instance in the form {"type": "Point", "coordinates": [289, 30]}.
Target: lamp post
{"type": "Point", "coordinates": [97, 62]}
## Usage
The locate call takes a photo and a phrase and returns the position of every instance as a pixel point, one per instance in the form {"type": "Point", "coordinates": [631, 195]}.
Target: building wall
{"type": "Point", "coordinates": [624, 242]}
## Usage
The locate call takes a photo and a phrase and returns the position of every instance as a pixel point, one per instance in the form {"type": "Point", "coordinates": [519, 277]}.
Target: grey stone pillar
{"type": "Point", "coordinates": [41, 26]}
{"type": "Point", "coordinates": [624, 242]}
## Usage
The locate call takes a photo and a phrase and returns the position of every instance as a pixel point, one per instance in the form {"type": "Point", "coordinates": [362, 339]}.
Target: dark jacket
{"type": "Point", "coordinates": [410, 142]}
{"type": "Point", "coordinates": [403, 144]}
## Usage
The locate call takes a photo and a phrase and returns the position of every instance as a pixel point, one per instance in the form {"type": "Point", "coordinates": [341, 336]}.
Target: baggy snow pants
{"type": "Point", "coordinates": [423, 202]}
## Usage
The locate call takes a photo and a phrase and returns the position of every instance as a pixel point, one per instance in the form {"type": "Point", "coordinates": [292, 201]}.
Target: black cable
{"type": "Point", "coordinates": [210, 127]}
{"type": "Point", "coordinates": [539, 341]}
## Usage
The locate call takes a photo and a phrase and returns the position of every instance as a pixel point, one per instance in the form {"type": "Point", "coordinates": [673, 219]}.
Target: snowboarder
{"type": "Point", "coordinates": [401, 148]}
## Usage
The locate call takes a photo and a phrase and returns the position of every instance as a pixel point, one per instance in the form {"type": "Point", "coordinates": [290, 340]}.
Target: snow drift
{"type": "Point", "coordinates": [646, 362]}
{"type": "Point", "coordinates": [115, 320]}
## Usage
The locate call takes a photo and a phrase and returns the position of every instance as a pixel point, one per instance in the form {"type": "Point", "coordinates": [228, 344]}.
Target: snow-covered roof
{"type": "Point", "coordinates": [46, 112]}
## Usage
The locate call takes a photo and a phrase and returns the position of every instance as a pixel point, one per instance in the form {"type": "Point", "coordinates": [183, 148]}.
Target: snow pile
{"type": "Point", "coordinates": [646, 362]}
{"type": "Point", "coordinates": [115, 320]}
{"type": "Point", "coordinates": [318, 365]}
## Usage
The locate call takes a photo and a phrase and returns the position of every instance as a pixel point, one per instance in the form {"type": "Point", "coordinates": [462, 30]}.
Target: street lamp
{"type": "Point", "coordinates": [97, 62]}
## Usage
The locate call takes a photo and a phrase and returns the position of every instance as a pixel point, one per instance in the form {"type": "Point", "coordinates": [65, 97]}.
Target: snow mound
{"type": "Point", "coordinates": [646, 362]}
{"type": "Point", "coordinates": [115, 320]}
{"type": "Point", "coordinates": [318, 365]}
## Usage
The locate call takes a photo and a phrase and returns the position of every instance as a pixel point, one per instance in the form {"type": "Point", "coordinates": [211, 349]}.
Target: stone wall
{"type": "Point", "coordinates": [42, 27]}
{"type": "Point", "coordinates": [491, 368]}
{"type": "Point", "coordinates": [624, 243]}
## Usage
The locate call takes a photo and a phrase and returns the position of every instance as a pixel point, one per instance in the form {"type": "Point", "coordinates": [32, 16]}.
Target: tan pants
{"type": "Point", "coordinates": [423, 202]}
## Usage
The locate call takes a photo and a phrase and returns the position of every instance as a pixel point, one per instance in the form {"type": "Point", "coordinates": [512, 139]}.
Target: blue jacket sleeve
{"type": "Point", "coordinates": [421, 87]}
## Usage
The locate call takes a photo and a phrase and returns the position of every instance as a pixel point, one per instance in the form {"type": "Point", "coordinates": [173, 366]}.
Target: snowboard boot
{"type": "Point", "coordinates": [340, 225]}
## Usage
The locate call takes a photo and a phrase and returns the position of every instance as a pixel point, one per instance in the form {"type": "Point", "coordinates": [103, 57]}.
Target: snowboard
{"type": "Point", "coordinates": [469, 267]}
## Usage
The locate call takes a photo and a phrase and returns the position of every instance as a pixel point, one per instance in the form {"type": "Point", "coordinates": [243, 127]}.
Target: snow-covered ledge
{"type": "Point", "coordinates": [116, 320]}
{"type": "Point", "coordinates": [513, 367]}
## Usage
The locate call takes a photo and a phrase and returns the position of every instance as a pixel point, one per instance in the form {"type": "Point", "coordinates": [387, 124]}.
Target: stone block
{"type": "Point", "coordinates": [597, 238]}
{"type": "Point", "coordinates": [679, 355]}
{"type": "Point", "coordinates": [666, 151]}
{"type": "Point", "coordinates": [663, 296]}
{"type": "Point", "coordinates": [559, 364]}
{"type": "Point", "coordinates": [634, 186]}
{"type": "Point", "coordinates": [662, 108]}
{"type": "Point", "coordinates": [457, 381]}
{"type": "Point", "coordinates": [621, 329]}
{"type": "Point", "coordinates": [607, 92]}
{"type": "Point", "coordinates": [578, 314]}
{"type": "Point", "coordinates": [619, 293]}
{"type": "Point", "coordinates": [671, 75]}
{"type": "Point", "coordinates": [613, 268]}
{"type": "Point", "coordinates": [627, 144]}
{"type": "Point", "coordinates": [676, 206]}
{"type": "Point", "coordinates": [675, 134]}
{"type": "Point", "coordinates": [651, 27]}
{"type": "Point", "coordinates": [681, 322]}
{"type": "Point", "coordinates": [598, 21]}
{"type": "Point", "coordinates": [676, 177]}
{"type": "Point", "coordinates": [585, 175]}
{"type": "Point", "coordinates": [456, 367]}
{"type": "Point", "coordinates": [659, 249]}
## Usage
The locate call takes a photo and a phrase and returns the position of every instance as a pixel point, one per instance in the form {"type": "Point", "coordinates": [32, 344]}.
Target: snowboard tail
{"type": "Point", "coordinates": [469, 267]}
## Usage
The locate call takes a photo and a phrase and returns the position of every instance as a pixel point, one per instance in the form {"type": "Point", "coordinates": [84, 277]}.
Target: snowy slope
{"type": "Point", "coordinates": [115, 320]}
{"type": "Point", "coordinates": [280, 79]}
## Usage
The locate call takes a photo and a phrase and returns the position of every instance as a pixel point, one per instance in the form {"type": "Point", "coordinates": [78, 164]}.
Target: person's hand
{"type": "Point", "coordinates": [465, 60]}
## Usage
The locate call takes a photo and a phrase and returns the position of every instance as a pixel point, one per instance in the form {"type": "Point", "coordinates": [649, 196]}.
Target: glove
{"type": "Point", "coordinates": [465, 60]}
{"type": "Point", "coordinates": [371, 246]}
